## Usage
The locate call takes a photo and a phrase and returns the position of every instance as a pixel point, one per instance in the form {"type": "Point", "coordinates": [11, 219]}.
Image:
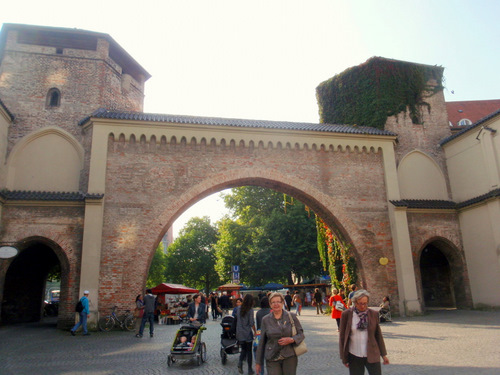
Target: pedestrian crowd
{"type": "Point", "coordinates": [274, 335]}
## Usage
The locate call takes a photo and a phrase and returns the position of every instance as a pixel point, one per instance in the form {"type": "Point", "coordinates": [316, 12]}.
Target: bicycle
{"type": "Point", "coordinates": [109, 321]}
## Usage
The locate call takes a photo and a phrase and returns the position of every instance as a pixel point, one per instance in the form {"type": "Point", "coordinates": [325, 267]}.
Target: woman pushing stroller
{"type": "Point", "coordinates": [197, 311]}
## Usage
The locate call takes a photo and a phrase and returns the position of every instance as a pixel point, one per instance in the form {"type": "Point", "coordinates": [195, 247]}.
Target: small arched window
{"type": "Point", "coordinates": [53, 98]}
{"type": "Point", "coordinates": [464, 122]}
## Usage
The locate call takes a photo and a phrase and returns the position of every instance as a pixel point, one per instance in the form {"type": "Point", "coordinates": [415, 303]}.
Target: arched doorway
{"type": "Point", "coordinates": [25, 280]}
{"type": "Point", "coordinates": [437, 283]}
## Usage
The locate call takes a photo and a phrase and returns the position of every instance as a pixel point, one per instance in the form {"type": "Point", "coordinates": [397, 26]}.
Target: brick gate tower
{"type": "Point", "coordinates": [50, 79]}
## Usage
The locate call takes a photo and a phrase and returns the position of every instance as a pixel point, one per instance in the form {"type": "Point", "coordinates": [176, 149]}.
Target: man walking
{"type": "Point", "coordinates": [84, 314]}
{"type": "Point", "coordinates": [318, 299]}
{"type": "Point", "coordinates": [149, 314]}
{"type": "Point", "coordinates": [288, 300]}
{"type": "Point", "coordinates": [224, 303]}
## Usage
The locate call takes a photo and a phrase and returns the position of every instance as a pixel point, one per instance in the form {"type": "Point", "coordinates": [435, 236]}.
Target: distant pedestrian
{"type": "Point", "coordinates": [214, 303]}
{"type": "Point", "coordinates": [297, 301]}
{"type": "Point", "coordinates": [288, 300]}
{"type": "Point", "coordinates": [318, 300]}
{"type": "Point", "coordinates": [353, 290]}
{"type": "Point", "coordinates": [149, 314]}
{"type": "Point", "coordinates": [336, 313]}
{"type": "Point", "coordinates": [238, 302]}
{"type": "Point", "coordinates": [138, 312]}
{"type": "Point", "coordinates": [84, 315]}
{"type": "Point", "coordinates": [224, 303]}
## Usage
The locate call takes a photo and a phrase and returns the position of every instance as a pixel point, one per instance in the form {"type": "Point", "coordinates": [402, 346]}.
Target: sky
{"type": "Point", "coordinates": [263, 59]}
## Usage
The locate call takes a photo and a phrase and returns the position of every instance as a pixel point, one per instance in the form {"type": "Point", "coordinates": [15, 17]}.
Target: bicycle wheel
{"type": "Point", "coordinates": [130, 323]}
{"type": "Point", "coordinates": [106, 323]}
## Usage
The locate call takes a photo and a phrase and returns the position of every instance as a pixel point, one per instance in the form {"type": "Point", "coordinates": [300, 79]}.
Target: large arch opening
{"type": "Point", "coordinates": [437, 278]}
{"type": "Point", "coordinates": [314, 204]}
{"type": "Point", "coordinates": [24, 292]}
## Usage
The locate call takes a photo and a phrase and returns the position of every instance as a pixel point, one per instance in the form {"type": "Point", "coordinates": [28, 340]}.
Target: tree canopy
{"type": "Point", "coordinates": [269, 243]}
{"type": "Point", "coordinates": [190, 259]}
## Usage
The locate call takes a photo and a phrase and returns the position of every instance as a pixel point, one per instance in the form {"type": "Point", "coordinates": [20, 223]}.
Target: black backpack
{"type": "Point", "coordinates": [79, 307]}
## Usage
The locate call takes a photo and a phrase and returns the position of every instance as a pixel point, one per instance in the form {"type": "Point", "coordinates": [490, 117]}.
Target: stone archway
{"type": "Point", "coordinates": [25, 278]}
{"type": "Point", "coordinates": [436, 278]}
{"type": "Point", "coordinates": [443, 276]}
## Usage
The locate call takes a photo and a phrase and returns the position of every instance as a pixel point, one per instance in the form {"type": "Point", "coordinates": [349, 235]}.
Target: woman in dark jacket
{"type": "Point", "coordinates": [197, 310]}
{"type": "Point", "coordinates": [360, 339]}
{"type": "Point", "coordinates": [276, 339]}
{"type": "Point", "coordinates": [245, 331]}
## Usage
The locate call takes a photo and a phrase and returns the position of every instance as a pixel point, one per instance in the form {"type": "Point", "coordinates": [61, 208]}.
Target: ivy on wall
{"type": "Point", "coordinates": [335, 257]}
{"type": "Point", "coordinates": [369, 93]}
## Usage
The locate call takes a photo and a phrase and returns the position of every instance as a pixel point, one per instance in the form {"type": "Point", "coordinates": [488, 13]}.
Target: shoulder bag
{"type": "Point", "coordinates": [302, 347]}
{"type": "Point", "coordinates": [339, 306]}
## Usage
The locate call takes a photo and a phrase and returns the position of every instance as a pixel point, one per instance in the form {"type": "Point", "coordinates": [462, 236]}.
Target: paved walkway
{"type": "Point", "coordinates": [441, 342]}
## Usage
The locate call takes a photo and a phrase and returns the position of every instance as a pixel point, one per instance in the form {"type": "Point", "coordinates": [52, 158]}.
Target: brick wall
{"type": "Point", "coordinates": [148, 186]}
{"type": "Point", "coordinates": [60, 228]}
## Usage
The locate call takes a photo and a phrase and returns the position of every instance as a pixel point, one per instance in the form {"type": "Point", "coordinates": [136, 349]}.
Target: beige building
{"type": "Point", "coordinates": [473, 162]}
{"type": "Point", "coordinates": [90, 184]}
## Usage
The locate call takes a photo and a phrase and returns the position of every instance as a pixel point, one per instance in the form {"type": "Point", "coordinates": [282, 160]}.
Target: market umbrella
{"type": "Point", "coordinates": [230, 286]}
{"type": "Point", "coordinates": [272, 286]}
{"type": "Point", "coordinates": [165, 288]}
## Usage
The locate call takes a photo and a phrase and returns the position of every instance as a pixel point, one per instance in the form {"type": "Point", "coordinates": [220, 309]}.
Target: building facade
{"type": "Point", "coordinates": [91, 184]}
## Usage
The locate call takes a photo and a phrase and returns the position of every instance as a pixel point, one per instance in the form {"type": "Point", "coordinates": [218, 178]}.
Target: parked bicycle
{"type": "Point", "coordinates": [108, 322]}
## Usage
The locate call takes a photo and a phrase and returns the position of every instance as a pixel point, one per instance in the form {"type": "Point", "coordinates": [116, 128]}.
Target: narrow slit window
{"type": "Point", "coordinates": [53, 98]}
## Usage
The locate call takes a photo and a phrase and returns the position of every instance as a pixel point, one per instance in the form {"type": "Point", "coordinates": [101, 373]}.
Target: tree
{"type": "Point", "coordinates": [232, 247]}
{"type": "Point", "coordinates": [268, 243]}
{"type": "Point", "coordinates": [157, 269]}
{"type": "Point", "coordinates": [191, 257]}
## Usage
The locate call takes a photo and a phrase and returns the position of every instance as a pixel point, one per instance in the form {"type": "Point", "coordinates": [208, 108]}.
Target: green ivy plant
{"type": "Point", "coordinates": [369, 93]}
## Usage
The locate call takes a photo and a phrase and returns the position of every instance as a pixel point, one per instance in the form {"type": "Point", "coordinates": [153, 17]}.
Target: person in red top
{"type": "Point", "coordinates": [336, 314]}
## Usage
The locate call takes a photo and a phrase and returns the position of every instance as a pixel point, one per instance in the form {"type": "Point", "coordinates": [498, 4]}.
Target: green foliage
{"type": "Point", "coordinates": [268, 244]}
{"type": "Point", "coordinates": [54, 273]}
{"type": "Point", "coordinates": [191, 257]}
{"type": "Point", "coordinates": [232, 247]}
{"type": "Point", "coordinates": [341, 266]}
{"type": "Point", "coordinates": [253, 203]}
{"type": "Point", "coordinates": [367, 94]}
{"type": "Point", "coordinates": [157, 268]}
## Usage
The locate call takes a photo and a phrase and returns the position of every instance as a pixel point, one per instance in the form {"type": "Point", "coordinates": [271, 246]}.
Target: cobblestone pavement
{"type": "Point", "coordinates": [441, 342]}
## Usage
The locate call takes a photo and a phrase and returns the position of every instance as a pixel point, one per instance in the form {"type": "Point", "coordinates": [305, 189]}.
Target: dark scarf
{"type": "Point", "coordinates": [363, 319]}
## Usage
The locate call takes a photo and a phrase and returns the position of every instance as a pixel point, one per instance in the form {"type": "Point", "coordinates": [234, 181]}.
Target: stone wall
{"type": "Point", "coordinates": [149, 185]}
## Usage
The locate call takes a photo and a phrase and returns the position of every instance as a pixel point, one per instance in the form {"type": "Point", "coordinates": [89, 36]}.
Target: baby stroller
{"type": "Point", "coordinates": [188, 344]}
{"type": "Point", "coordinates": [228, 342]}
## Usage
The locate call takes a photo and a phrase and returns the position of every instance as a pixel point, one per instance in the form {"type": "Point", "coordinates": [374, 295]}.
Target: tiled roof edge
{"type": "Point", "coordinates": [7, 110]}
{"type": "Point", "coordinates": [443, 204]}
{"type": "Point", "coordinates": [220, 121]}
{"type": "Point", "coordinates": [492, 194]}
{"type": "Point", "coordinates": [24, 195]}
{"type": "Point", "coordinates": [425, 203]}
{"type": "Point", "coordinates": [467, 129]}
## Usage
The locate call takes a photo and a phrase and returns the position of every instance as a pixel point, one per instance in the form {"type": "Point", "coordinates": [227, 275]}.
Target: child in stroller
{"type": "Point", "coordinates": [228, 342]}
{"type": "Point", "coordinates": [187, 344]}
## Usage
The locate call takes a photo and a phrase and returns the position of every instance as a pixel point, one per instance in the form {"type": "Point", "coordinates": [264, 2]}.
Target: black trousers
{"type": "Point", "coordinates": [357, 366]}
{"type": "Point", "coordinates": [246, 353]}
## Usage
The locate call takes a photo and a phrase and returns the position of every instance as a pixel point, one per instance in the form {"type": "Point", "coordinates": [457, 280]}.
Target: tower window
{"type": "Point", "coordinates": [53, 98]}
{"type": "Point", "coordinates": [59, 51]}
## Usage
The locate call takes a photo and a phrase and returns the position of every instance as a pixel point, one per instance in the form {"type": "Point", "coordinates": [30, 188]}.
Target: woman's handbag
{"type": "Point", "coordinates": [302, 347]}
{"type": "Point", "coordinates": [339, 306]}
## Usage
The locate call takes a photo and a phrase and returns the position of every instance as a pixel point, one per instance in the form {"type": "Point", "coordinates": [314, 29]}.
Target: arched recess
{"type": "Point", "coordinates": [25, 279]}
{"type": "Point", "coordinates": [420, 177]}
{"type": "Point", "coordinates": [324, 205]}
{"type": "Point", "coordinates": [49, 159]}
{"type": "Point", "coordinates": [442, 275]}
